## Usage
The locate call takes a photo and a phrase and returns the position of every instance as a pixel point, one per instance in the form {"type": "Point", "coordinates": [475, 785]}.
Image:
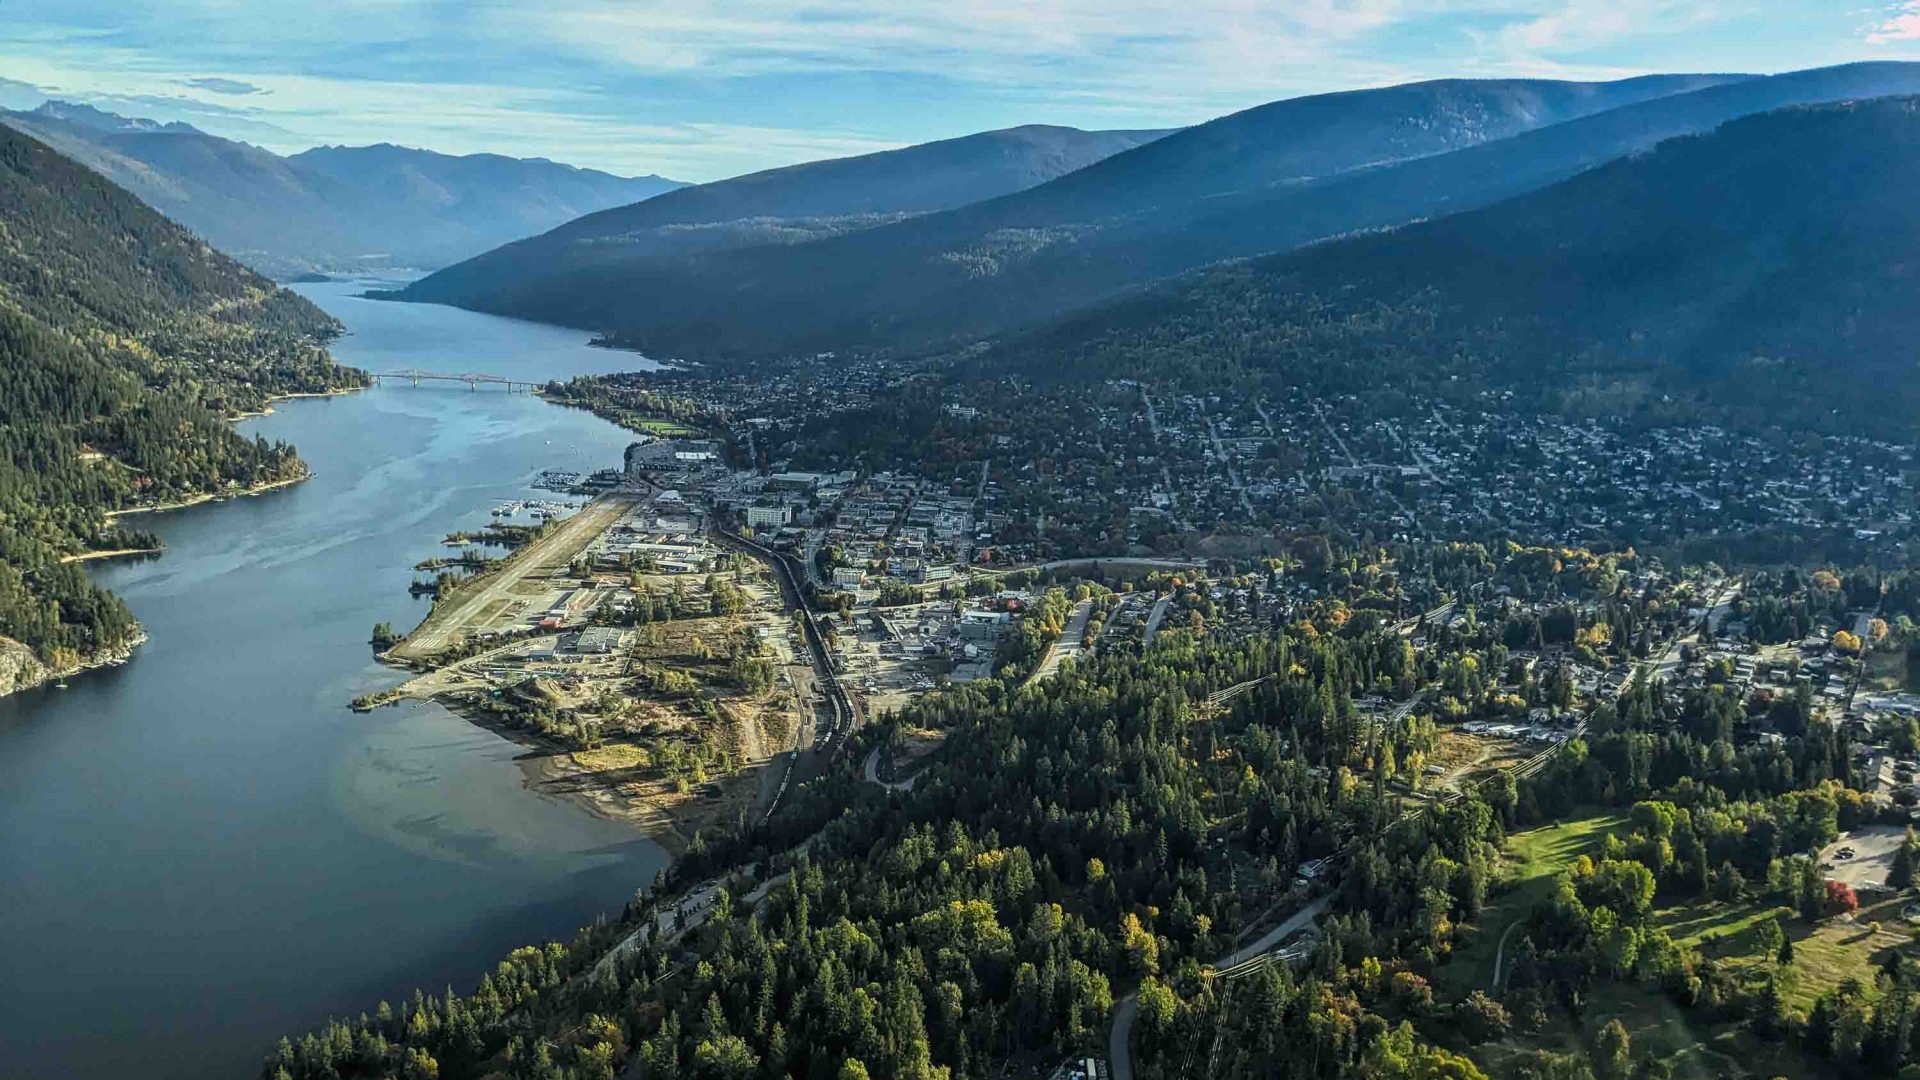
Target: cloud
{"type": "Point", "coordinates": [1578, 25]}
{"type": "Point", "coordinates": [233, 87]}
{"type": "Point", "coordinates": [1139, 54]}
{"type": "Point", "coordinates": [1901, 23]}
{"type": "Point", "coordinates": [705, 88]}
{"type": "Point", "coordinates": [15, 94]}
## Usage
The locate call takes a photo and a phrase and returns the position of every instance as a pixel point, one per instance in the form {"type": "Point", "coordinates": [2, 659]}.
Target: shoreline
{"type": "Point", "coordinates": [268, 411]}
{"type": "Point", "coordinates": [546, 767]}
{"type": "Point", "coordinates": [116, 553]}
{"type": "Point", "coordinates": [211, 497]}
{"type": "Point", "coordinates": [549, 770]}
{"type": "Point", "coordinates": [42, 675]}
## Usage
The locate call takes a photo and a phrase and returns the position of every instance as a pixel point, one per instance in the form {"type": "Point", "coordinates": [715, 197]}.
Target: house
{"type": "Point", "coordinates": [848, 577]}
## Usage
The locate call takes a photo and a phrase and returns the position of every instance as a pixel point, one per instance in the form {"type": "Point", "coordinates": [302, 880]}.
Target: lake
{"type": "Point", "coordinates": [203, 849]}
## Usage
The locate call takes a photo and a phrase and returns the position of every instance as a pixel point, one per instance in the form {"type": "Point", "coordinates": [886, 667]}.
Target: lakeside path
{"type": "Point", "coordinates": [442, 627]}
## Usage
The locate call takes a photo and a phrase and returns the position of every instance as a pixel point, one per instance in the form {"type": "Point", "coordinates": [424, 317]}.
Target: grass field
{"type": "Point", "coordinates": [1824, 956]}
{"type": "Point", "coordinates": [1532, 861]}
{"type": "Point", "coordinates": [1654, 1024]}
{"type": "Point", "coordinates": [665, 429]}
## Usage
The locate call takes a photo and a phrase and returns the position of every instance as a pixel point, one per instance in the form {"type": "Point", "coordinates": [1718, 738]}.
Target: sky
{"type": "Point", "coordinates": [699, 90]}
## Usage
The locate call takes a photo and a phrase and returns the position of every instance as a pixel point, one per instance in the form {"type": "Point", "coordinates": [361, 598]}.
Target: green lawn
{"type": "Point", "coordinates": [1656, 1025]}
{"type": "Point", "coordinates": [1532, 861]}
{"type": "Point", "coordinates": [1824, 956]}
{"type": "Point", "coordinates": [666, 429]}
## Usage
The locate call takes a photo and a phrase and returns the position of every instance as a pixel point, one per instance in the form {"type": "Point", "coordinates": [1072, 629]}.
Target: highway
{"type": "Point", "coordinates": [1154, 618]}
{"type": "Point", "coordinates": [1071, 642]}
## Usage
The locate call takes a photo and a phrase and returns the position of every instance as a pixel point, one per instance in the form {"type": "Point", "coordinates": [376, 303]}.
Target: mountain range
{"type": "Point", "coordinates": [1766, 267]}
{"type": "Point", "coordinates": [332, 208]}
{"type": "Point", "coordinates": [1269, 179]}
{"type": "Point", "coordinates": [792, 205]}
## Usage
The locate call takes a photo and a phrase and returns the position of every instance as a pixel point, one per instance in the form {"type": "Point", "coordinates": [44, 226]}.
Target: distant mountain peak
{"type": "Point", "coordinates": [87, 116]}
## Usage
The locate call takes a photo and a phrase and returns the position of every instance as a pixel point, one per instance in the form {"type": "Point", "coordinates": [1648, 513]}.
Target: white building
{"type": "Point", "coordinates": [762, 516]}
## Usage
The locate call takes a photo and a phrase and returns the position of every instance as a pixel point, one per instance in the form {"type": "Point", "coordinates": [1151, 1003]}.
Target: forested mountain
{"type": "Point", "coordinates": [793, 204]}
{"type": "Point", "coordinates": [126, 343]}
{"type": "Point", "coordinates": [1767, 266]}
{"type": "Point", "coordinates": [332, 207]}
{"type": "Point", "coordinates": [962, 261]}
{"type": "Point", "coordinates": [990, 267]}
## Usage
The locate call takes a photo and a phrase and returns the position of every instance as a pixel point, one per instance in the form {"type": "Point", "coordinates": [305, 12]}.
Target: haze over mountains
{"type": "Point", "coordinates": [1265, 180]}
{"type": "Point", "coordinates": [332, 208]}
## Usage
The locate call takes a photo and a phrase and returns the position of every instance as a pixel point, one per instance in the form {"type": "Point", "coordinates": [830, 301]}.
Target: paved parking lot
{"type": "Point", "coordinates": [1873, 850]}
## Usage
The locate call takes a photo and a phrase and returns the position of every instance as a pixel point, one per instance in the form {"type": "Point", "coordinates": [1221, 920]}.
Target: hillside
{"type": "Point", "coordinates": [126, 343]}
{"type": "Point", "coordinates": [990, 268]}
{"type": "Point", "coordinates": [791, 205]}
{"type": "Point", "coordinates": [1766, 267]}
{"type": "Point", "coordinates": [981, 267]}
{"type": "Point", "coordinates": [333, 207]}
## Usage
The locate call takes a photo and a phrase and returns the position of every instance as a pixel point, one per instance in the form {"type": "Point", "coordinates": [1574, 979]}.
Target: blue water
{"type": "Point", "coordinates": [203, 849]}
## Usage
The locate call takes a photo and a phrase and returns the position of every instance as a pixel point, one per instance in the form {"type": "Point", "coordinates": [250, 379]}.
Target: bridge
{"type": "Point", "coordinates": [473, 379]}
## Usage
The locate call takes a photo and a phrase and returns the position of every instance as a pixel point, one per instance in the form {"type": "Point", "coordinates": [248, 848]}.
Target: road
{"type": "Point", "coordinates": [1120, 1036]}
{"type": "Point", "coordinates": [1233, 476]}
{"type": "Point", "coordinates": [1154, 618]}
{"type": "Point", "coordinates": [442, 629]}
{"type": "Point", "coordinates": [1500, 953]}
{"type": "Point", "coordinates": [1268, 941]}
{"type": "Point", "coordinates": [693, 909]}
{"type": "Point", "coordinates": [1326, 424]}
{"type": "Point", "coordinates": [1667, 664]}
{"type": "Point", "coordinates": [1071, 642]}
{"type": "Point", "coordinates": [873, 774]}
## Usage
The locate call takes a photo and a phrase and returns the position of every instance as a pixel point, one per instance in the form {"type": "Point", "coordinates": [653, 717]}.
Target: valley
{"type": "Point", "coordinates": [1395, 583]}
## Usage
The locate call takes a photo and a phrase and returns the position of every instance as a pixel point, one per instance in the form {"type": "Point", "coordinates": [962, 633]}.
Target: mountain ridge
{"type": "Point", "coordinates": [1765, 267]}
{"type": "Point", "coordinates": [328, 208]}
{"type": "Point", "coordinates": [126, 345]}
{"type": "Point", "coordinates": [978, 271]}
{"type": "Point", "coordinates": [795, 203]}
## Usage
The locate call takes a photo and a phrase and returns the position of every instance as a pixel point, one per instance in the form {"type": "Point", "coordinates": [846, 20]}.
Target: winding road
{"type": "Point", "coordinates": [1120, 1036]}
